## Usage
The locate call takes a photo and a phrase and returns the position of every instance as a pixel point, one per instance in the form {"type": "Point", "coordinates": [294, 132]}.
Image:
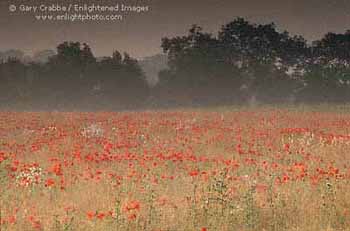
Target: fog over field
{"type": "Point", "coordinates": [243, 63]}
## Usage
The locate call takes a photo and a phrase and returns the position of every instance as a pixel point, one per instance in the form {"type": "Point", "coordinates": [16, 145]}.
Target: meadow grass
{"type": "Point", "coordinates": [228, 168]}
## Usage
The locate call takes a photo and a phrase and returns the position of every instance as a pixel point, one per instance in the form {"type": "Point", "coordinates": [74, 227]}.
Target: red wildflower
{"type": "Point", "coordinates": [12, 220]}
{"type": "Point", "coordinates": [286, 147]}
{"type": "Point", "coordinates": [90, 215]}
{"type": "Point", "coordinates": [194, 173]}
{"type": "Point", "coordinates": [285, 178]}
{"type": "Point", "coordinates": [56, 169]}
{"type": "Point", "coordinates": [132, 217]}
{"type": "Point", "coordinates": [100, 216]}
{"type": "Point", "coordinates": [49, 182]}
{"type": "Point", "coordinates": [132, 205]}
{"type": "Point", "coordinates": [2, 157]}
{"type": "Point", "coordinates": [35, 223]}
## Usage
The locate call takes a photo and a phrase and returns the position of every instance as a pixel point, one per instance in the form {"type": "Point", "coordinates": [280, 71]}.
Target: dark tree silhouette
{"type": "Point", "coordinates": [327, 75]}
{"type": "Point", "coordinates": [244, 61]}
{"type": "Point", "coordinates": [198, 72]}
{"type": "Point", "coordinates": [246, 56]}
{"type": "Point", "coordinates": [264, 55]}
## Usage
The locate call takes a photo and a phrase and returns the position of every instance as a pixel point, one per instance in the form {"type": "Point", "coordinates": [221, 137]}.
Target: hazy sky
{"type": "Point", "coordinates": [140, 34]}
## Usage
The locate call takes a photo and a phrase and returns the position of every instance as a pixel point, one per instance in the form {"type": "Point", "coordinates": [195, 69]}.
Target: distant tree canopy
{"type": "Point", "coordinates": [258, 61]}
{"type": "Point", "coordinates": [333, 46]}
{"type": "Point", "coordinates": [73, 78]}
{"type": "Point", "coordinates": [327, 76]}
{"type": "Point", "coordinates": [243, 62]}
{"type": "Point", "coordinates": [242, 54]}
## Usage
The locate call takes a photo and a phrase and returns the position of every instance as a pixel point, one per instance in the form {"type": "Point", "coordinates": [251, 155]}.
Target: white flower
{"type": "Point", "coordinates": [93, 130]}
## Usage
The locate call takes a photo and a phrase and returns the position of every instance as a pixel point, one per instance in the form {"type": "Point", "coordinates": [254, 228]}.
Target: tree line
{"type": "Point", "coordinates": [243, 63]}
{"type": "Point", "coordinates": [73, 78]}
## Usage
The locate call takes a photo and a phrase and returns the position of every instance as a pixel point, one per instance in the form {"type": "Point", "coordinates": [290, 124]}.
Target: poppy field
{"type": "Point", "coordinates": [228, 169]}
